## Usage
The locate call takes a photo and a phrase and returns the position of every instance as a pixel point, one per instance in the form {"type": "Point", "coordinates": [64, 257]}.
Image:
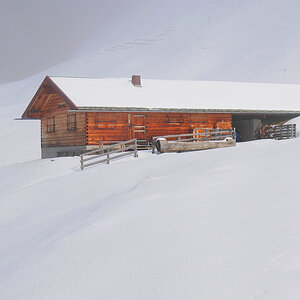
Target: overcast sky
{"type": "Point", "coordinates": [36, 34]}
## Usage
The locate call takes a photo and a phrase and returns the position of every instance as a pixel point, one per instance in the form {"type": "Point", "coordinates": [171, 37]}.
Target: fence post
{"type": "Point", "coordinates": [107, 159]}
{"type": "Point", "coordinates": [153, 146]}
{"type": "Point", "coordinates": [135, 148]}
{"type": "Point", "coordinates": [81, 162]}
{"type": "Point", "coordinates": [101, 146]}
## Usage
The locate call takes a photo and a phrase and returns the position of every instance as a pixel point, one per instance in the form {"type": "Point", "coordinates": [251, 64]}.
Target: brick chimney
{"type": "Point", "coordinates": [136, 80]}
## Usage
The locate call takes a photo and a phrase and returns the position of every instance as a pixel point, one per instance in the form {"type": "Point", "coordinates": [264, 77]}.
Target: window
{"type": "Point", "coordinates": [198, 118]}
{"type": "Point", "coordinates": [71, 122]}
{"type": "Point", "coordinates": [175, 118]}
{"type": "Point", "coordinates": [50, 124]}
{"type": "Point", "coordinates": [106, 121]}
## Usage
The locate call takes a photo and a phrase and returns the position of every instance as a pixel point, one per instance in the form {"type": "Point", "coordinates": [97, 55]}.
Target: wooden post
{"type": "Point", "coordinates": [81, 162]}
{"type": "Point", "coordinates": [294, 130]}
{"type": "Point", "coordinates": [101, 146]}
{"type": "Point", "coordinates": [107, 159]}
{"type": "Point", "coordinates": [234, 134]}
{"type": "Point", "coordinates": [135, 148]}
{"type": "Point", "coordinates": [153, 145]}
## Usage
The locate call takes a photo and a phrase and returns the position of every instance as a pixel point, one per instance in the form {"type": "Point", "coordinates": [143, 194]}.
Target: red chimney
{"type": "Point", "coordinates": [136, 80]}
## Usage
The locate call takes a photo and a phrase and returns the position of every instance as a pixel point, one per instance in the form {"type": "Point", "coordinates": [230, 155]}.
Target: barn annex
{"type": "Point", "coordinates": [77, 113]}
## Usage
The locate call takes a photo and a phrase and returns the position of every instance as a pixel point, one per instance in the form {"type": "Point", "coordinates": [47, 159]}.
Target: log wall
{"type": "Point", "coordinates": [92, 127]}
{"type": "Point", "coordinates": [63, 135]}
{"type": "Point", "coordinates": [121, 126]}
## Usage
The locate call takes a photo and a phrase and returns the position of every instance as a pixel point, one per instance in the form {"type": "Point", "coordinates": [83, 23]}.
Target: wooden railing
{"type": "Point", "coordinates": [109, 153]}
{"type": "Point", "coordinates": [141, 144]}
{"type": "Point", "coordinates": [201, 134]}
{"type": "Point", "coordinates": [285, 131]}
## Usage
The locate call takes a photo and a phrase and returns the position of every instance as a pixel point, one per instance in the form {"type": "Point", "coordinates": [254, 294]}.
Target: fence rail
{"type": "Point", "coordinates": [198, 134]}
{"type": "Point", "coordinates": [109, 153]}
{"type": "Point", "coordinates": [285, 132]}
{"type": "Point", "coordinates": [141, 144]}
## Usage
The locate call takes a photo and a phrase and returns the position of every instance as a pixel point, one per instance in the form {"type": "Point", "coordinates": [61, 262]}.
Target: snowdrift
{"type": "Point", "coordinates": [222, 224]}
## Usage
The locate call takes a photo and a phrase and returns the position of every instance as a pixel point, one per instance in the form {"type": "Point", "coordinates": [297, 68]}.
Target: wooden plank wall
{"type": "Point", "coordinates": [56, 107]}
{"type": "Point", "coordinates": [106, 127]}
{"type": "Point", "coordinates": [121, 126]}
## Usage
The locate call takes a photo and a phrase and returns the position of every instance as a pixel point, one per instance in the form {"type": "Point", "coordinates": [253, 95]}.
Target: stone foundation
{"type": "Point", "coordinates": [50, 152]}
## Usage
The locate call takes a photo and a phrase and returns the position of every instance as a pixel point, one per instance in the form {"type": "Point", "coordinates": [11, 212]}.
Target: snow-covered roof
{"type": "Point", "coordinates": [176, 94]}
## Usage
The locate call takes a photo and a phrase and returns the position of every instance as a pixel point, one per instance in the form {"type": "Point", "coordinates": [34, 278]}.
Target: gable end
{"type": "Point", "coordinates": [41, 98]}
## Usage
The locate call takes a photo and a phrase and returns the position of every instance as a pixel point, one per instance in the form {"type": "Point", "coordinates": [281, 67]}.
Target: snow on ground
{"type": "Point", "coordinates": [220, 224]}
{"type": "Point", "coordinates": [20, 140]}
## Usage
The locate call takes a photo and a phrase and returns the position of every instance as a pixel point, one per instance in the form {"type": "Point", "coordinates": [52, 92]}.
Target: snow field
{"type": "Point", "coordinates": [220, 224]}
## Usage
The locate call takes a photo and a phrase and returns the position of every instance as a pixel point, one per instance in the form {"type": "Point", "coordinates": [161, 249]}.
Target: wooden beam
{"type": "Point", "coordinates": [46, 101]}
{"type": "Point", "coordinates": [166, 146]}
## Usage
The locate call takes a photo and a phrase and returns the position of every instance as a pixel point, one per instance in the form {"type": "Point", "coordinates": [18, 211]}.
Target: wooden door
{"type": "Point", "coordinates": [138, 129]}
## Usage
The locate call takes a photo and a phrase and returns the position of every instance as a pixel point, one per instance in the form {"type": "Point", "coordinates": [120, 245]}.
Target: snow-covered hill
{"type": "Point", "coordinates": [207, 40]}
{"type": "Point", "coordinates": [228, 40]}
{"type": "Point", "coordinates": [220, 224]}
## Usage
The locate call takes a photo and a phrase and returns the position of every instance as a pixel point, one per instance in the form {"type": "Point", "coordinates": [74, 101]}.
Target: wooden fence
{"type": "Point", "coordinates": [141, 144]}
{"type": "Point", "coordinates": [285, 132]}
{"type": "Point", "coordinates": [109, 153]}
{"type": "Point", "coordinates": [198, 135]}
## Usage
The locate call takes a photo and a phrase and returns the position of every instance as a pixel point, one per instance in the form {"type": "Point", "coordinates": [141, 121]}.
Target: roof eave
{"type": "Point", "coordinates": [183, 110]}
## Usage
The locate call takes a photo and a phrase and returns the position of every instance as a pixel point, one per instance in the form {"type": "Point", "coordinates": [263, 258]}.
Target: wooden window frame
{"type": "Point", "coordinates": [50, 127]}
{"type": "Point", "coordinates": [71, 124]}
{"type": "Point", "coordinates": [180, 117]}
{"type": "Point", "coordinates": [199, 119]}
{"type": "Point", "coordinates": [103, 123]}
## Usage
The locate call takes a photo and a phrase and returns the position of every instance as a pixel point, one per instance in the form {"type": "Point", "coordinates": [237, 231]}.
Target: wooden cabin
{"type": "Point", "coordinates": [78, 113]}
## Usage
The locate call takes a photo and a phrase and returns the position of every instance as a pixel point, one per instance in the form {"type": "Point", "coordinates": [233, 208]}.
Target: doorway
{"type": "Point", "coordinates": [138, 128]}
